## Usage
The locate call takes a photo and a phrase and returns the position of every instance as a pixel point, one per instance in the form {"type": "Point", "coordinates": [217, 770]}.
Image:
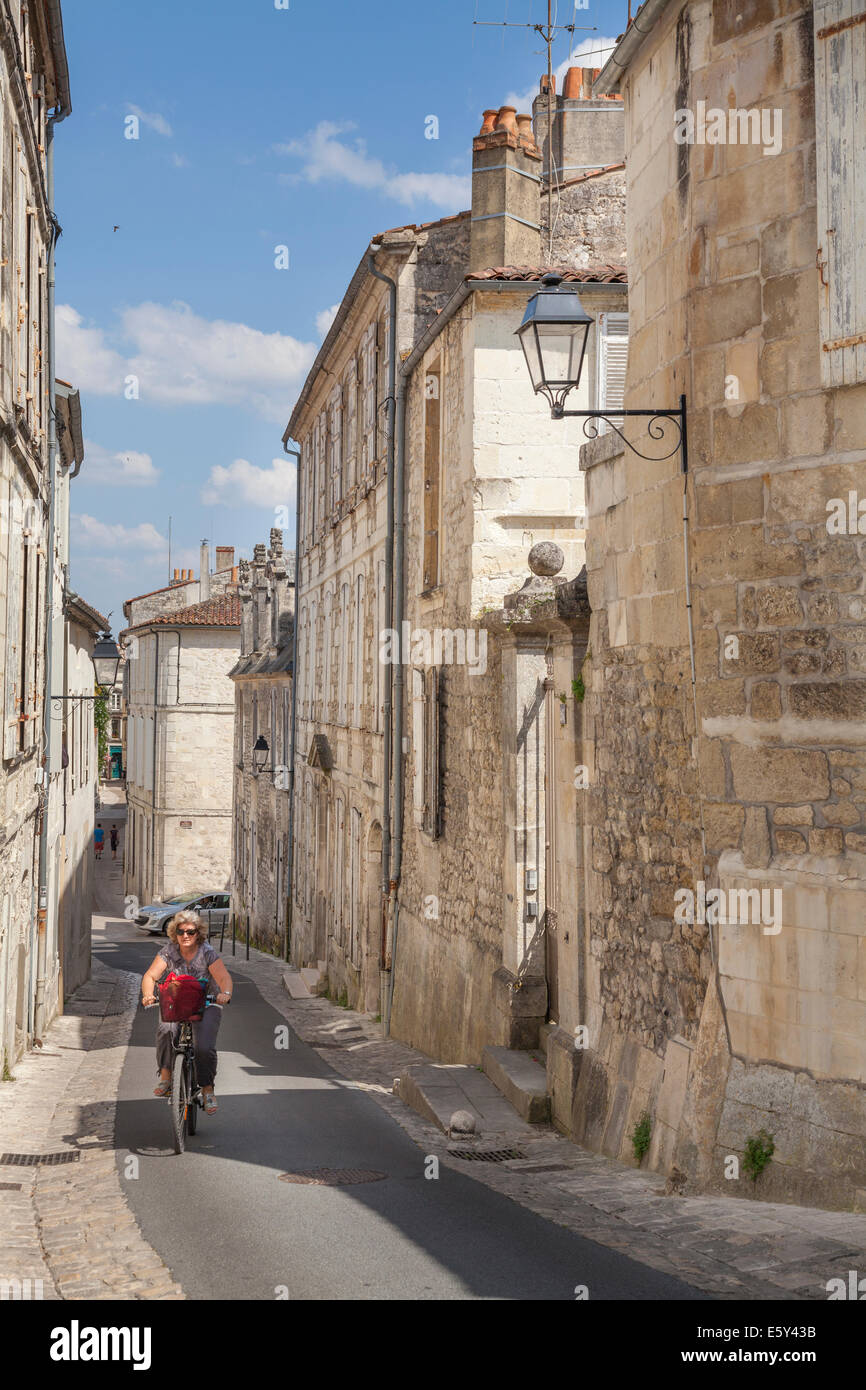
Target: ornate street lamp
{"type": "Point", "coordinates": [261, 752]}
{"type": "Point", "coordinates": [553, 336]}
{"type": "Point", "coordinates": [106, 661]}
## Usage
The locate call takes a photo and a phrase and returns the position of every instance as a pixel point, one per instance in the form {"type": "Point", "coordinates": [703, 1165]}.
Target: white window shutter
{"type": "Point", "coordinates": [840, 134]}
{"type": "Point", "coordinates": [612, 351]}
{"type": "Point", "coordinates": [13, 693]}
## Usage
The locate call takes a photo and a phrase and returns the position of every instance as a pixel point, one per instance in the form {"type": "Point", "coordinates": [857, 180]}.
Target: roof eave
{"type": "Point", "coordinates": [614, 70]}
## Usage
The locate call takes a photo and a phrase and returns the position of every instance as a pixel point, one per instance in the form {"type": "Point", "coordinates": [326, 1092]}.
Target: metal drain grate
{"type": "Point", "coordinates": [486, 1155]}
{"type": "Point", "coordinates": [30, 1160]}
{"type": "Point", "coordinates": [10, 1187]}
{"type": "Point", "coordinates": [332, 1177]}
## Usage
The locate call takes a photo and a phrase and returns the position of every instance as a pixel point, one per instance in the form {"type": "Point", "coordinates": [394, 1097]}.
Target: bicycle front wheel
{"type": "Point", "coordinates": [180, 1101]}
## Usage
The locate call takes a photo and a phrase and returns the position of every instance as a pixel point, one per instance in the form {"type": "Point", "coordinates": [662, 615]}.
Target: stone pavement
{"type": "Point", "coordinates": [69, 1224]}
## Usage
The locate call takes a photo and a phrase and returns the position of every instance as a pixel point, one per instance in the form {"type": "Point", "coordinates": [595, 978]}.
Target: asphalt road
{"type": "Point", "coordinates": [229, 1229]}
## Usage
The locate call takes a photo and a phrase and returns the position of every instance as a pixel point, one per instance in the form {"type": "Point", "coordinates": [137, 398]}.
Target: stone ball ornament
{"type": "Point", "coordinates": [462, 1123]}
{"type": "Point", "coordinates": [546, 559]}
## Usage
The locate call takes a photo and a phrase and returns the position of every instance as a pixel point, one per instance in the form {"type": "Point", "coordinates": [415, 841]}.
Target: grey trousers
{"type": "Point", "coordinates": [204, 1036]}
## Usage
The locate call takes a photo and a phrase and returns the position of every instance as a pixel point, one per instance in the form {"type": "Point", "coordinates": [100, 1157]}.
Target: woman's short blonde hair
{"type": "Point", "coordinates": [192, 919]}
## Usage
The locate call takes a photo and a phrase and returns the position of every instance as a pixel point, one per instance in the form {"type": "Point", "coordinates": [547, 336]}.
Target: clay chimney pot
{"type": "Point", "coordinates": [506, 119]}
{"type": "Point", "coordinates": [488, 121]}
{"type": "Point", "coordinates": [544, 84]}
{"type": "Point", "coordinates": [524, 130]}
{"type": "Point", "coordinates": [573, 88]}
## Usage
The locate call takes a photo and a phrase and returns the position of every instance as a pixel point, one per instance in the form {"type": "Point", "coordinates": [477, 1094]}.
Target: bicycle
{"type": "Point", "coordinates": [185, 1097]}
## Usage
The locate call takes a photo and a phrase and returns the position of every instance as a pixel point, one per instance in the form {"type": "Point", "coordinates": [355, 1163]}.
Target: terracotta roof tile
{"type": "Point", "coordinates": [421, 226]}
{"type": "Point", "coordinates": [596, 274]}
{"type": "Point", "coordinates": [222, 611]}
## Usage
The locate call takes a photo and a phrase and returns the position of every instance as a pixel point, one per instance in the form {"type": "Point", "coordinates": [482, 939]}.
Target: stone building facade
{"type": "Point", "coordinates": [435, 934]}
{"type": "Point", "coordinates": [75, 807]}
{"type": "Point", "coordinates": [263, 709]}
{"type": "Point", "coordinates": [340, 423]}
{"type": "Point", "coordinates": [742, 258]}
{"type": "Point", "coordinates": [180, 736]}
{"type": "Point", "coordinates": [34, 93]}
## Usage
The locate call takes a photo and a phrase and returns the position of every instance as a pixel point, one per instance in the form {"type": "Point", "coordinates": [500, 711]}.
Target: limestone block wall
{"type": "Point", "coordinates": [756, 1029]}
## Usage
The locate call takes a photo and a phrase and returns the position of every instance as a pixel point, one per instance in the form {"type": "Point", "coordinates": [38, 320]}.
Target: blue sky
{"type": "Point", "coordinates": [258, 127]}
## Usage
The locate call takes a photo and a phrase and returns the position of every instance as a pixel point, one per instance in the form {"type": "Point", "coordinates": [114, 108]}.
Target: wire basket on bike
{"type": "Point", "coordinates": [181, 999]}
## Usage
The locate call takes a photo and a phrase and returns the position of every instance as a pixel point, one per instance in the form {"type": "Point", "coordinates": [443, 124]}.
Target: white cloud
{"type": "Point", "coordinates": [85, 355]}
{"type": "Point", "coordinates": [243, 482]}
{"type": "Point", "coordinates": [327, 157]}
{"type": "Point", "coordinates": [181, 358]}
{"type": "Point", "coordinates": [128, 468]}
{"type": "Point", "coordinates": [596, 48]}
{"type": "Point", "coordinates": [180, 161]}
{"type": "Point", "coordinates": [100, 535]}
{"type": "Point", "coordinates": [152, 119]}
{"type": "Point", "coordinates": [325, 319]}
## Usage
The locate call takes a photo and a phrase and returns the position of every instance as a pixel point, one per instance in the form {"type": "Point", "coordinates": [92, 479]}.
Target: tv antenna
{"type": "Point", "coordinates": [548, 33]}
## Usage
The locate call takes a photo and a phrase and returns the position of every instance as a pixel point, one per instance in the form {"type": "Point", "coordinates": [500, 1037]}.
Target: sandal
{"type": "Point", "coordinates": [162, 1088]}
{"type": "Point", "coordinates": [210, 1103]}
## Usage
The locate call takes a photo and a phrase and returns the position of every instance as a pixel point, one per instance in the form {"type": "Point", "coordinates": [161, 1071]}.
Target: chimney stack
{"type": "Point", "coordinates": [225, 557]}
{"type": "Point", "coordinates": [506, 184]}
{"type": "Point", "coordinates": [204, 571]}
{"type": "Point", "coordinates": [588, 131]}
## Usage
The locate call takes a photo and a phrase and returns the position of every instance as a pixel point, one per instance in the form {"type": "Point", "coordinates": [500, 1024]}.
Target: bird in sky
{"type": "Point", "coordinates": [117, 229]}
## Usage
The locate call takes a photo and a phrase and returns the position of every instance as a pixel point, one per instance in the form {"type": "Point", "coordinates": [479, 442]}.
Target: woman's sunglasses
{"type": "Point", "coordinates": [181, 931]}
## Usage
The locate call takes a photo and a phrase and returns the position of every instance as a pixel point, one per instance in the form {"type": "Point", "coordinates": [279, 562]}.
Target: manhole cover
{"type": "Point", "coordinates": [332, 1177]}
{"type": "Point", "coordinates": [486, 1155]}
{"type": "Point", "coordinates": [30, 1160]}
{"type": "Point", "coordinates": [10, 1187]}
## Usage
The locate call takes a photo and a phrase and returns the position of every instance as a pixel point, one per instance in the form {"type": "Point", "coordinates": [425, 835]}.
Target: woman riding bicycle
{"type": "Point", "coordinates": [188, 952]}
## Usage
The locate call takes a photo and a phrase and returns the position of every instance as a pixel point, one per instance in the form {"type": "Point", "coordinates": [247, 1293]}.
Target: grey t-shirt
{"type": "Point", "coordinates": [198, 965]}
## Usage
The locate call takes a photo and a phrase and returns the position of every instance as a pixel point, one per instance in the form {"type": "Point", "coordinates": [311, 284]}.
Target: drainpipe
{"type": "Point", "coordinates": [399, 679]}
{"type": "Point", "coordinates": [388, 885]}
{"type": "Point", "coordinates": [290, 867]}
{"type": "Point", "coordinates": [39, 1012]}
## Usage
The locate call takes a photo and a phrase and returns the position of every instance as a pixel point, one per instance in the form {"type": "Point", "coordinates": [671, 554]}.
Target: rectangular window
{"type": "Point", "coordinates": [426, 734]}
{"type": "Point", "coordinates": [358, 654]}
{"type": "Point", "coordinates": [840, 137]}
{"type": "Point", "coordinates": [432, 468]}
{"type": "Point", "coordinates": [335, 449]}
{"type": "Point", "coordinates": [355, 889]}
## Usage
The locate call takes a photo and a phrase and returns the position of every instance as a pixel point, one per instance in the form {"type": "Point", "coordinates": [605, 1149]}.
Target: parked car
{"type": "Point", "coordinates": [213, 907]}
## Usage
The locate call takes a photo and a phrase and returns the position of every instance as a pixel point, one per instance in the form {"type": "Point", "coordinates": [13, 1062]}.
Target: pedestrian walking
{"type": "Point", "coordinates": [98, 839]}
{"type": "Point", "coordinates": [113, 837]}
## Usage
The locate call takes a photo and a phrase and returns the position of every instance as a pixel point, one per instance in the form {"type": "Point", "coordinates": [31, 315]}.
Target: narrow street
{"type": "Point", "coordinates": [227, 1228]}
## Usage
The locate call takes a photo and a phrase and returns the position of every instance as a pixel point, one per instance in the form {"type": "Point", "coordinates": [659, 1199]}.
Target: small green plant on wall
{"type": "Point", "coordinates": [640, 1136]}
{"type": "Point", "coordinates": [759, 1150]}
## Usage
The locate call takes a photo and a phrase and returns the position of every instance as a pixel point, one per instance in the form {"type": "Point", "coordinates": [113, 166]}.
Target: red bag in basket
{"type": "Point", "coordinates": [181, 999]}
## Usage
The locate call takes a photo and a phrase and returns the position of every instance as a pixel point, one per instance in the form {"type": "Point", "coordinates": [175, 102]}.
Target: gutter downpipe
{"type": "Point", "coordinates": [63, 110]}
{"type": "Point", "coordinates": [290, 866]}
{"type": "Point", "coordinates": [389, 884]}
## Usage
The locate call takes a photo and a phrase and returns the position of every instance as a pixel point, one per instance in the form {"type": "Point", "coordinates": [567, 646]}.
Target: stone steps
{"type": "Point", "coordinates": [522, 1081]}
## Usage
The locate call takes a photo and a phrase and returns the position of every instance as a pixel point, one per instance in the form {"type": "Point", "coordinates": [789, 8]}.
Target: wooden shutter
{"type": "Point", "coordinates": [431, 760]}
{"type": "Point", "coordinates": [840, 135]}
{"type": "Point", "coordinates": [13, 702]}
{"type": "Point", "coordinates": [612, 350]}
{"type": "Point", "coordinates": [432, 442]}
